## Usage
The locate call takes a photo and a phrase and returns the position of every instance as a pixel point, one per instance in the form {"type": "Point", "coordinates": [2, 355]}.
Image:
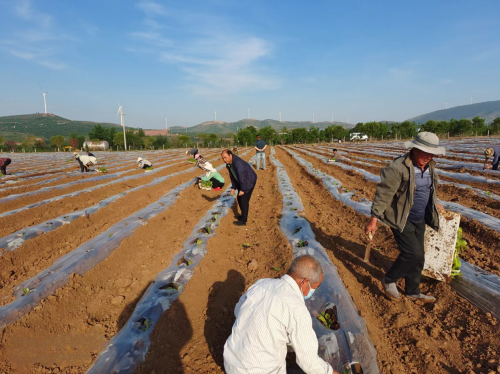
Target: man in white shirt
{"type": "Point", "coordinates": [271, 315]}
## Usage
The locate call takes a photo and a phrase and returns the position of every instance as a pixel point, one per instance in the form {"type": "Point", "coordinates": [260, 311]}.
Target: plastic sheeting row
{"type": "Point", "coordinates": [476, 285]}
{"type": "Point", "coordinates": [351, 339]}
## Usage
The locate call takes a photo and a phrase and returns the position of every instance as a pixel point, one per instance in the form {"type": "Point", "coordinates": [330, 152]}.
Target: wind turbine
{"type": "Point", "coordinates": [280, 115]}
{"type": "Point", "coordinates": [44, 99]}
{"type": "Point", "coordinates": [332, 117]}
{"type": "Point", "coordinates": [122, 117]}
{"type": "Point", "coordinates": [313, 117]}
{"type": "Point", "coordinates": [166, 125]}
{"type": "Point", "coordinates": [248, 116]}
{"type": "Point", "coordinates": [215, 116]}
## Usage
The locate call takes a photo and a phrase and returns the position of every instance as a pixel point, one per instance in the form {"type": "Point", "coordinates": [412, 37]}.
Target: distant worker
{"type": "Point", "coordinates": [492, 152]}
{"type": "Point", "coordinates": [90, 154]}
{"type": "Point", "coordinates": [85, 161]}
{"type": "Point", "coordinates": [235, 151]}
{"type": "Point", "coordinates": [336, 156]}
{"type": "Point", "coordinates": [4, 162]}
{"type": "Point", "coordinates": [243, 179]}
{"type": "Point", "coordinates": [271, 315]}
{"type": "Point", "coordinates": [406, 200]}
{"type": "Point", "coordinates": [143, 164]}
{"type": "Point", "coordinates": [260, 146]}
{"type": "Point", "coordinates": [211, 174]}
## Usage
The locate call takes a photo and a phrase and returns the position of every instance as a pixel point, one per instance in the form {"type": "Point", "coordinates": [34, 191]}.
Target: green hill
{"type": "Point", "coordinates": [489, 110]}
{"type": "Point", "coordinates": [44, 126]}
{"type": "Point", "coordinates": [226, 128]}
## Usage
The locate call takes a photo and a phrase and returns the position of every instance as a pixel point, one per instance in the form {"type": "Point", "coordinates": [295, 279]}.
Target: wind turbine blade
{"type": "Point", "coordinates": [118, 103]}
{"type": "Point", "coordinates": [119, 110]}
{"type": "Point", "coordinates": [40, 87]}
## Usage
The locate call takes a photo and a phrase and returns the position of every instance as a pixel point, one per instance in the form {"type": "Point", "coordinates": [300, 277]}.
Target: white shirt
{"type": "Point", "coordinates": [270, 315]}
{"type": "Point", "coordinates": [144, 162]}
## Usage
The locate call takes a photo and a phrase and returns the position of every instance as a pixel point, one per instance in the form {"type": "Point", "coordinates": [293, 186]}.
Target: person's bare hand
{"type": "Point", "coordinates": [241, 193]}
{"type": "Point", "coordinates": [371, 226]}
{"type": "Point", "coordinates": [232, 191]}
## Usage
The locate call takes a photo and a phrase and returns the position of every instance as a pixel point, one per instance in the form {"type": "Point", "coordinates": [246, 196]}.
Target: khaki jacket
{"type": "Point", "coordinates": [395, 193]}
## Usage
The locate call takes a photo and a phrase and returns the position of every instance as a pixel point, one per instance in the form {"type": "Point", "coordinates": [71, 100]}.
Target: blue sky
{"type": "Point", "coordinates": [371, 60]}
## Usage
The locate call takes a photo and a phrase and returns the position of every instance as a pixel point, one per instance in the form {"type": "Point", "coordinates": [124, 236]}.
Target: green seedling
{"type": "Point", "coordinates": [294, 208]}
{"type": "Point", "coordinates": [189, 262]}
{"type": "Point", "coordinates": [277, 268]}
{"type": "Point", "coordinates": [149, 168]}
{"type": "Point", "coordinates": [146, 325]}
{"type": "Point", "coordinates": [66, 217]}
{"type": "Point", "coordinates": [102, 169]}
{"type": "Point", "coordinates": [206, 184]}
{"type": "Point", "coordinates": [346, 371]}
{"type": "Point", "coordinates": [488, 193]}
{"type": "Point", "coordinates": [26, 291]}
{"type": "Point", "coordinates": [109, 235]}
{"type": "Point", "coordinates": [174, 289]}
{"type": "Point", "coordinates": [245, 245]}
{"type": "Point", "coordinates": [191, 160]}
{"type": "Point", "coordinates": [377, 249]}
{"type": "Point", "coordinates": [297, 230]}
{"type": "Point", "coordinates": [288, 204]}
{"type": "Point", "coordinates": [460, 246]}
{"type": "Point", "coordinates": [199, 241]}
{"type": "Point", "coordinates": [209, 231]}
{"type": "Point", "coordinates": [326, 319]}
{"type": "Point", "coordinates": [303, 243]}
{"type": "Point", "coordinates": [295, 216]}
{"type": "Point", "coordinates": [275, 191]}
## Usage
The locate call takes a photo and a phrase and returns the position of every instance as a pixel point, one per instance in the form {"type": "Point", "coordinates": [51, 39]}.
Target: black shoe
{"type": "Point", "coordinates": [239, 218]}
{"type": "Point", "coordinates": [239, 223]}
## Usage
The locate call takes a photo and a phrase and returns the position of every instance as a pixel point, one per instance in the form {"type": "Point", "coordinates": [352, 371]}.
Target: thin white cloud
{"type": "Point", "coordinates": [35, 39]}
{"type": "Point", "coordinates": [446, 81]}
{"type": "Point", "coordinates": [216, 62]}
{"type": "Point", "coordinates": [152, 9]}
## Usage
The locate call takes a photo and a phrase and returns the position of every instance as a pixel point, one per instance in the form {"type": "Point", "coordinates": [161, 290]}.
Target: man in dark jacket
{"type": "Point", "coordinates": [406, 200]}
{"type": "Point", "coordinates": [243, 179]}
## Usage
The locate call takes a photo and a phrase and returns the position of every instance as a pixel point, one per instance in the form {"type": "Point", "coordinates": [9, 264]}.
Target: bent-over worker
{"type": "Point", "coordinates": [85, 161]}
{"type": "Point", "coordinates": [271, 315]}
{"type": "Point", "coordinates": [494, 153]}
{"type": "Point", "coordinates": [143, 164]}
{"type": "Point", "coordinates": [243, 179]}
{"type": "Point", "coordinates": [337, 156]}
{"type": "Point", "coordinates": [406, 200]}
{"type": "Point", "coordinates": [211, 174]}
{"type": "Point", "coordinates": [4, 162]}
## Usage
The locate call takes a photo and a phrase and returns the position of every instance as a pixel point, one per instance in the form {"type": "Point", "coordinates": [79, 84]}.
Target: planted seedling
{"type": "Point", "coordinates": [102, 169]}
{"type": "Point", "coordinates": [245, 245]}
{"type": "Point", "coordinates": [303, 243]}
{"type": "Point", "coordinates": [329, 318]}
{"type": "Point", "coordinates": [26, 291]}
{"type": "Point", "coordinates": [297, 230]}
{"type": "Point", "coordinates": [207, 228]}
{"type": "Point", "coordinates": [275, 191]}
{"type": "Point", "coordinates": [199, 241]}
{"type": "Point", "coordinates": [294, 208]}
{"type": "Point", "coordinates": [149, 168]}
{"type": "Point", "coordinates": [191, 160]}
{"type": "Point", "coordinates": [109, 235]}
{"type": "Point", "coordinates": [488, 193]}
{"type": "Point", "coordinates": [172, 287]}
{"type": "Point", "coordinates": [288, 204]}
{"type": "Point", "coordinates": [277, 268]}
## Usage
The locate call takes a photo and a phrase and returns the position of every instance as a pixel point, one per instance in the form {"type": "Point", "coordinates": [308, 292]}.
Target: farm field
{"type": "Point", "coordinates": [139, 272]}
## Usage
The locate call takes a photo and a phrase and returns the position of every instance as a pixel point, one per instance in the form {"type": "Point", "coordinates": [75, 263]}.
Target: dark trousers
{"type": "Point", "coordinates": [82, 166]}
{"type": "Point", "coordinates": [244, 203]}
{"type": "Point", "coordinates": [410, 261]}
{"type": "Point", "coordinates": [3, 168]}
{"type": "Point", "coordinates": [147, 166]}
{"type": "Point", "coordinates": [216, 183]}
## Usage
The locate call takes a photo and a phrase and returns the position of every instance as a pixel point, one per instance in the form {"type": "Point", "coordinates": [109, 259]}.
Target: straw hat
{"type": "Point", "coordinates": [427, 142]}
{"type": "Point", "coordinates": [489, 152]}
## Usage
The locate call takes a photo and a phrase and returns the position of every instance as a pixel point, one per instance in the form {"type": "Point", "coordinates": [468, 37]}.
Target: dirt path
{"type": "Point", "coordinates": [81, 316]}
{"type": "Point", "coordinates": [203, 314]}
{"type": "Point", "coordinates": [410, 337]}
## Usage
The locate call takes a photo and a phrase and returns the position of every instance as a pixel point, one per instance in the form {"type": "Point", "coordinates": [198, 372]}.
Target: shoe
{"type": "Point", "coordinates": [422, 297]}
{"type": "Point", "coordinates": [239, 223]}
{"type": "Point", "coordinates": [390, 289]}
{"type": "Point", "coordinates": [217, 189]}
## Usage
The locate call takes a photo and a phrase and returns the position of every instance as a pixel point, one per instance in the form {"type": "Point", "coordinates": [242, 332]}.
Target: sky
{"type": "Point", "coordinates": [184, 60]}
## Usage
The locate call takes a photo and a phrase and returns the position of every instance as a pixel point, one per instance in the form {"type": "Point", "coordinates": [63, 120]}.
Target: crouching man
{"type": "Point", "coordinates": [406, 200]}
{"type": "Point", "coordinates": [271, 315]}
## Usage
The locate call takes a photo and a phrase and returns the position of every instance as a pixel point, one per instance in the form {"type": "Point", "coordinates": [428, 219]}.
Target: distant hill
{"type": "Point", "coordinates": [489, 110]}
{"type": "Point", "coordinates": [226, 128]}
{"type": "Point", "coordinates": [44, 126]}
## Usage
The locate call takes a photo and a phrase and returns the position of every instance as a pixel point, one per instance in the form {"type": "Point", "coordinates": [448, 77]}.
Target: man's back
{"type": "Point", "coordinates": [270, 315]}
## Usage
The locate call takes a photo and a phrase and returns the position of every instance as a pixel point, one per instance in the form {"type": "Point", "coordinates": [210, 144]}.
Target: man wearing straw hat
{"type": "Point", "coordinates": [492, 152]}
{"type": "Point", "coordinates": [406, 200]}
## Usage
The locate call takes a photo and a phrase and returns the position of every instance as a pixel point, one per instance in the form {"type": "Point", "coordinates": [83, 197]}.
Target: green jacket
{"type": "Point", "coordinates": [395, 192]}
{"type": "Point", "coordinates": [215, 175]}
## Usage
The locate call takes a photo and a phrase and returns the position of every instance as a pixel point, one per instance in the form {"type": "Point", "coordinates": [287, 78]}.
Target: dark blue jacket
{"type": "Point", "coordinates": [247, 178]}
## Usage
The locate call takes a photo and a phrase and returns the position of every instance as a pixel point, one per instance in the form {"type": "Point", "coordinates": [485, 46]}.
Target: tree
{"type": "Point", "coordinates": [29, 142]}
{"type": "Point", "coordinates": [494, 127]}
{"type": "Point", "coordinates": [11, 144]}
{"type": "Point", "coordinates": [57, 141]}
{"type": "Point", "coordinates": [148, 142]}
{"type": "Point", "coordinates": [464, 126]}
{"type": "Point", "coordinates": [268, 134]}
{"type": "Point", "coordinates": [2, 140]}
{"type": "Point", "coordinates": [479, 125]}
{"type": "Point", "coordinates": [73, 143]}
{"type": "Point", "coordinates": [98, 133]}
{"type": "Point", "coordinates": [160, 141]}
{"type": "Point", "coordinates": [372, 129]}
{"type": "Point", "coordinates": [299, 135]}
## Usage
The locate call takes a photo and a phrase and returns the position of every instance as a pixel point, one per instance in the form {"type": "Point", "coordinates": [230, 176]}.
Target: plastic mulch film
{"type": "Point", "coordinates": [128, 348]}
{"type": "Point", "coordinates": [487, 220]}
{"type": "Point", "coordinates": [476, 285]}
{"type": "Point", "coordinates": [347, 341]}
{"type": "Point", "coordinates": [82, 259]}
{"type": "Point", "coordinates": [479, 287]}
